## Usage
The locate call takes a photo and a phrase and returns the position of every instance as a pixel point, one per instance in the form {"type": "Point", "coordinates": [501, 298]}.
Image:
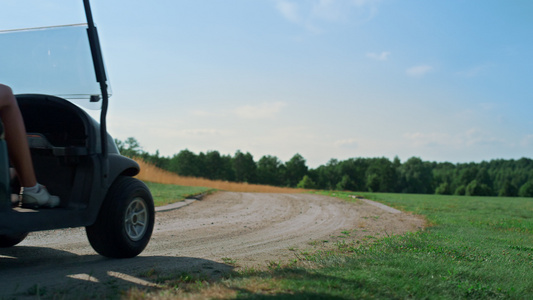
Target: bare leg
{"type": "Point", "coordinates": [15, 135]}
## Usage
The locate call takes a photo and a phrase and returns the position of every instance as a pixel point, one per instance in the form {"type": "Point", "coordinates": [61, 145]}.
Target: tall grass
{"type": "Point", "coordinates": [152, 173]}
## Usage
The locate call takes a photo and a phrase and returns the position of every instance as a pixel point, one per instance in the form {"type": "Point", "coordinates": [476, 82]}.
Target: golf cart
{"type": "Point", "coordinates": [73, 155]}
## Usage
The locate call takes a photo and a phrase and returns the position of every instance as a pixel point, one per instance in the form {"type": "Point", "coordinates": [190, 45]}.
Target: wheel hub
{"type": "Point", "coordinates": [136, 219]}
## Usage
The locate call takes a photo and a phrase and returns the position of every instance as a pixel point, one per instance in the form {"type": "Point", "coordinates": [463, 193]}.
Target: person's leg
{"type": "Point", "coordinates": [33, 195]}
{"type": "Point", "coordinates": [15, 135]}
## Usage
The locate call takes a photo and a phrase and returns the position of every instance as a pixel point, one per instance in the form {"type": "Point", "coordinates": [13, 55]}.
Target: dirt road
{"type": "Point", "coordinates": [211, 236]}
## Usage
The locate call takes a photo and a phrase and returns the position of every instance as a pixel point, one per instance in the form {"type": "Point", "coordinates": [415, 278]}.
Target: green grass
{"type": "Point", "coordinates": [164, 194]}
{"type": "Point", "coordinates": [475, 248]}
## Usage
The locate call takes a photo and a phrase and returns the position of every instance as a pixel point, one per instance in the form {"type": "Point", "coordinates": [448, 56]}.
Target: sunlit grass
{"type": "Point", "coordinates": [501, 214]}
{"type": "Point", "coordinates": [164, 194]}
{"type": "Point", "coordinates": [475, 247]}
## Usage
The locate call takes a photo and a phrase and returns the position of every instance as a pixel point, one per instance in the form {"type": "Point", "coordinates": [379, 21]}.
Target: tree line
{"type": "Point", "coordinates": [497, 177]}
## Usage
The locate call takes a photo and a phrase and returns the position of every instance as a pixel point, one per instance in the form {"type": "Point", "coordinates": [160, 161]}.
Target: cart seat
{"type": "Point", "coordinates": [39, 141]}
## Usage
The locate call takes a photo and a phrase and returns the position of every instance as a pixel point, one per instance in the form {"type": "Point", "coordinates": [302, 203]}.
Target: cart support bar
{"type": "Point", "coordinates": [101, 78]}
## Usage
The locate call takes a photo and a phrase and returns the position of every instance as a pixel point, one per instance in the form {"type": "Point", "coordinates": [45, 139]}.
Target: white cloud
{"type": "Point", "coordinates": [288, 10]}
{"type": "Point", "coordinates": [420, 70]}
{"type": "Point", "coordinates": [476, 137]}
{"type": "Point", "coordinates": [379, 56]}
{"type": "Point", "coordinates": [346, 143]}
{"type": "Point", "coordinates": [261, 111]}
{"type": "Point", "coordinates": [470, 138]}
{"type": "Point", "coordinates": [338, 9]}
{"type": "Point", "coordinates": [308, 13]}
{"type": "Point", "coordinates": [328, 10]}
{"type": "Point", "coordinates": [202, 113]}
{"type": "Point", "coordinates": [419, 139]}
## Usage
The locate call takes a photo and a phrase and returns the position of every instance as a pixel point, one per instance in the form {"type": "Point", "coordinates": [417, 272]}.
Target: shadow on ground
{"type": "Point", "coordinates": [38, 271]}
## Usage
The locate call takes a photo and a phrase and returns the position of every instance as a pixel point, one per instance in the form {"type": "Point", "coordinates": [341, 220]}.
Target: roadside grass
{"type": "Point", "coordinates": [475, 248]}
{"type": "Point", "coordinates": [168, 187]}
{"type": "Point", "coordinates": [152, 173]}
{"type": "Point", "coordinates": [164, 194]}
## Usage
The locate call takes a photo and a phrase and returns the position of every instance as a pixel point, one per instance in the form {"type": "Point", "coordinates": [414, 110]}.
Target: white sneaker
{"type": "Point", "coordinates": [39, 199]}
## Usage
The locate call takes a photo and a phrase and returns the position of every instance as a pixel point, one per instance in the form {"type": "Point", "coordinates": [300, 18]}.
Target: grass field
{"type": "Point", "coordinates": [164, 194]}
{"type": "Point", "coordinates": [475, 248]}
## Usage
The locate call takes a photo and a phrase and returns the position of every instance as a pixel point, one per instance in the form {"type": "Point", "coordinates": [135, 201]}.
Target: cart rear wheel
{"type": "Point", "coordinates": [10, 240]}
{"type": "Point", "coordinates": [126, 220]}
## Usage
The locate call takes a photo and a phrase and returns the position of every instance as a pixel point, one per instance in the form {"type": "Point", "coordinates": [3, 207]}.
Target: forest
{"type": "Point", "coordinates": [498, 177]}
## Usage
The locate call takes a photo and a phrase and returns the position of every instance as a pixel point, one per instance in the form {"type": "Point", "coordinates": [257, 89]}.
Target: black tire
{"type": "Point", "coordinates": [124, 225]}
{"type": "Point", "coordinates": [10, 240]}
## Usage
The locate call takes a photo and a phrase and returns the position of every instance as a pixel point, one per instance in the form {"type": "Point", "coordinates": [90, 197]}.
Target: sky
{"type": "Point", "coordinates": [440, 80]}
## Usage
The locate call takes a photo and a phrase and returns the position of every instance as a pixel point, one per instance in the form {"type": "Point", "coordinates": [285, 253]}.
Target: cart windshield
{"type": "Point", "coordinates": [51, 60]}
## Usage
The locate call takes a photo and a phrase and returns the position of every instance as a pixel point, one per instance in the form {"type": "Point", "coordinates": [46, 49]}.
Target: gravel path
{"type": "Point", "coordinates": [245, 229]}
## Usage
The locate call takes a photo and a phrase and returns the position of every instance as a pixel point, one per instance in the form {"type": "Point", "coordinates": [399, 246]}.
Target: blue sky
{"type": "Point", "coordinates": [441, 80]}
